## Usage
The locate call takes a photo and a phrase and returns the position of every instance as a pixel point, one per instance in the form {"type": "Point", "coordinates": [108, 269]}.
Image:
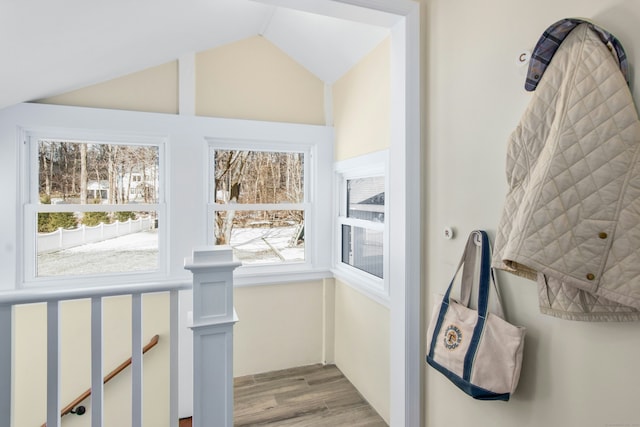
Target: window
{"type": "Point", "coordinates": [93, 207]}
{"type": "Point", "coordinates": [361, 231]}
{"type": "Point", "coordinates": [363, 224]}
{"type": "Point", "coordinates": [259, 203]}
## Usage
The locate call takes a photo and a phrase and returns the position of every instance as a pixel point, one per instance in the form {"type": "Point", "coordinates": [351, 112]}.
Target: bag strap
{"type": "Point", "coordinates": [483, 304]}
{"type": "Point", "coordinates": [478, 240]}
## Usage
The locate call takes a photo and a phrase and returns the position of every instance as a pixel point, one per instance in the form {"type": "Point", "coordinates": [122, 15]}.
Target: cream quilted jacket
{"type": "Point", "coordinates": [571, 219]}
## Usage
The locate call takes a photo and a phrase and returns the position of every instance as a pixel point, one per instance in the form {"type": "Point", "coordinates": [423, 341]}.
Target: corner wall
{"type": "Point", "coordinates": [361, 106]}
{"type": "Point", "coordinates": [574, 374]}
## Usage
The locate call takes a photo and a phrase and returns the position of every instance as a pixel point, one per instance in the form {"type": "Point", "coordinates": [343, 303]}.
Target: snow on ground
{"type": "Point", "coordinates": [266, 245]}
{"type": "Point", "coordinates": [132, 252]}
{"type": "Point", "coordinates": [139, 252]}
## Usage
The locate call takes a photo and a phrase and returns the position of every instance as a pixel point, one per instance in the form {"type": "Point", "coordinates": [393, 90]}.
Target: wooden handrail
{"type": "Point", "coordinates": [67, 409]}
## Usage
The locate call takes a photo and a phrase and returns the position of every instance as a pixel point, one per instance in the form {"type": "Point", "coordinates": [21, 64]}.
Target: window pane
{"type": "Point", "coordinates": [258, 177]}
{"type": "Point", "coordinates": [262, 237]}
{"type": "Point", "coordinates": [96, 242]}
{"type": "Point", "coordinates": [363, 249]}
{"type": "Point", "coordinates": [365, 198]}
{"type": "Point", "coordinates": [83, 173]}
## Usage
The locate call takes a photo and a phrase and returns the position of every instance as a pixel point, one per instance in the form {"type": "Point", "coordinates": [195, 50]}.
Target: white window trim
{"type": "Point", "coordinates": [185, 169]}
{"type": "Point", "coordinates": [30, 206]}
{"type": "Point", "coordinates": [367, 165]}
{"type": "Point", "coordinates": [314, 266]}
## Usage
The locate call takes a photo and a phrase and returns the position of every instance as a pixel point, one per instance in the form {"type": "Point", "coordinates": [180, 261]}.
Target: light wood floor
{"type": "Point", "coordinates": [313, 395]}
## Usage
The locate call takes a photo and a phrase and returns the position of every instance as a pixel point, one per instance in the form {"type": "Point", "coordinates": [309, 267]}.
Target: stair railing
{"type": "Point", "coordinates": [213, 320]}
{"type": "Point", "coordinates": [69, 409]}
{"type": "Point", "coordinates": [53, 298]}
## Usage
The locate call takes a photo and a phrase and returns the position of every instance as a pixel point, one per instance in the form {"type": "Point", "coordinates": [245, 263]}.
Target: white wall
{"type": "Point", "coordinates": [574, 374]}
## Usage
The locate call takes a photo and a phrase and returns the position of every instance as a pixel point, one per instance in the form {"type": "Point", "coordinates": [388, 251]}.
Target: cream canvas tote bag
{"type": "Point", "coordinates": [476, 349]}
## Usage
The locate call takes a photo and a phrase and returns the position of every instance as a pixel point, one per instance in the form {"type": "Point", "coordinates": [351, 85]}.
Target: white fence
{"type": "Point", "coordinates": [63, 239]}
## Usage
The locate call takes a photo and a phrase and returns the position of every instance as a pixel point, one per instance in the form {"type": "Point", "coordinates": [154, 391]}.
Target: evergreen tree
{"type": "Point", "coordinates": [125, 216]}
{"type": "Point", "coordinates": [49, 222]}
{"type": "Point", "coordinates": [91, 219]}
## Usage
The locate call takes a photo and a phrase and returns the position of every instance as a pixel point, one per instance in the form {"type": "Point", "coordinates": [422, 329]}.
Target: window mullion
{"type": "Point", "coordinates": [138, 207]}
{"type": "Point", "coordinates": [362, 223]}
{"type": "Point", "coordinates": [258, 206]}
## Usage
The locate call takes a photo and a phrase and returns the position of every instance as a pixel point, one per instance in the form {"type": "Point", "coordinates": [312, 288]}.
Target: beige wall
{"type": "Point", "coordinates": [361, 108]}
{"type": "Point", "coordinates": [575, 374]}
{"type": "Point", "coordinates": [153, 90]}
{"type": "Point", "coordinates": [362, 345]}
{"type": "Point", "coordinates": [281, 326]}
{"type": "Point", "coordinates": [75, 341]}
{"type": "Point", "coordinates": [253, 79]}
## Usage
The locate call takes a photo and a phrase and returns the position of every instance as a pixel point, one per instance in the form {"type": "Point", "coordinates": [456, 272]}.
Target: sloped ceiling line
{"type": "Point", "coordinates": [70, 47]}
{"type": "Point", "coordinates": [267, 20]}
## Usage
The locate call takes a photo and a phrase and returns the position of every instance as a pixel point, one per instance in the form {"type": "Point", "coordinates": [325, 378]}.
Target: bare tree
{"type": "Point", "coordinates": [228, 185]}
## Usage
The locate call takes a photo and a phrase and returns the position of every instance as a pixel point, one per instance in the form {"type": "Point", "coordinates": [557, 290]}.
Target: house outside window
{"type": "Point", "coordinates": [361, 236]}
{"type": "Point", "coordinates": [363, 225]}
{"type": "Point", "coordinates": [93, 207]}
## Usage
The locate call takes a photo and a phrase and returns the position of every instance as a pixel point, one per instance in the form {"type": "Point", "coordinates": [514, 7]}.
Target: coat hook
{"type": "Point", "coordinates": [523, 57]}
{"type": "Point", "coordinates": [477, 239]}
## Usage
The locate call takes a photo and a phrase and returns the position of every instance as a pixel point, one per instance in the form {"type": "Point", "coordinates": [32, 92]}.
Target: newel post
{"type": "Point", "coordinates": [213, 320]}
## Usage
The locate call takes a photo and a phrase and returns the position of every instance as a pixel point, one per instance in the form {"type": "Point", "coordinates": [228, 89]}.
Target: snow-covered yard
{"type": "Point", "coordinates": [132, 252]}
{"type": "Point", "coordinates": [139, 252]}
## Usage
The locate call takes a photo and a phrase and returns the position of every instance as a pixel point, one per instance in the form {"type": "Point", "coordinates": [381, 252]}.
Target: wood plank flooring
{"type": "Point", "coordinates": [314, 395]}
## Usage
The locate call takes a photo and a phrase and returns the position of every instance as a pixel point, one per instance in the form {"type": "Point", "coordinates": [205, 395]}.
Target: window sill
{"type": "Point", "coordinates": [246, 278]}
{"type": "Point", "coordinates": [359, 284]}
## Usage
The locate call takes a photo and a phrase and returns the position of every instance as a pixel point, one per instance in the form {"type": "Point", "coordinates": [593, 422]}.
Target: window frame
{"type": "Point", "coordinates": [30, 206]}
{"type": "Point", "coordinates": [374, 164]}
{"type": "Point", "coordinates": [286, 271]}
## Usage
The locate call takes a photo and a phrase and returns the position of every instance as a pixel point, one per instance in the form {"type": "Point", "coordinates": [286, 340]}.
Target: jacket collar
{"type": "Point", "coordinates": [551, 40]}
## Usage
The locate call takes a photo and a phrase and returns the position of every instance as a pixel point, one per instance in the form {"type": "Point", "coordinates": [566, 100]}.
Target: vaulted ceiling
{"type": "Point", "coordinates": [52, 47]}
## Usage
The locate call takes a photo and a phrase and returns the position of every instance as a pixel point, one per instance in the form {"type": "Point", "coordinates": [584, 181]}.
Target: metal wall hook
{"type": "Point", "coordinates": [523, 58]}
{"type": "Point", "coordinates": [477, 238]}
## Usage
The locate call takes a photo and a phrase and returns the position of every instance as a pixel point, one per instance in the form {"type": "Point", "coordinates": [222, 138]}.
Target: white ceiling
{"type": "Point", "coordinates": [51, 47]}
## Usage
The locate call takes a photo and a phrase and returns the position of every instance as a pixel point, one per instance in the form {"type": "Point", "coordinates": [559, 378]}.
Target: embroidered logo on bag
{"type": "Point", "coordinates": [452, 337]}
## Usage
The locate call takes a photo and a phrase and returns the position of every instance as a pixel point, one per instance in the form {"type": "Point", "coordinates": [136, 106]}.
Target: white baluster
{"type": "Point", "coordinates": [97, 386]}
{"type": "Point", "coordinates": [174, 308]}
{"type": "Point", "coordinates": [53, 364]}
